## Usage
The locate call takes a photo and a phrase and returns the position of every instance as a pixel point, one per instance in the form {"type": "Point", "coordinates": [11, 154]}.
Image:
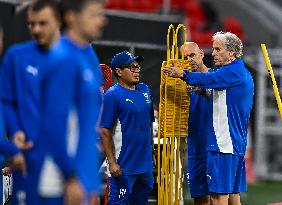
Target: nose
{"type": "Point", "coordinates": [213, 53]}
{"type": "Point", "coordinates": [35, 28]}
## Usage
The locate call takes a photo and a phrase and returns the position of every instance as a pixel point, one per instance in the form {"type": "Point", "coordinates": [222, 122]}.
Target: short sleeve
{"type": "Point", "coordinates": [109, 114]}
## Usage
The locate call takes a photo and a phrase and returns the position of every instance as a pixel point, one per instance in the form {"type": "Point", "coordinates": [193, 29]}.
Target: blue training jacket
{"type": "Point", "coordinates": [72, 102]}
{"type": "Point", "coordinates": [200, 117]}
{"type": "Point", "coordinates": [20, 95]}
{"type": "Point", "coordinates": [232, 103]}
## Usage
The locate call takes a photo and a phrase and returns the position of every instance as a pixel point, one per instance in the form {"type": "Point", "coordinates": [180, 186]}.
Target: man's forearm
{"type": "Point", "coordinates": [108, 144]}
{"type": "Point", "coordinates": [10, 118]}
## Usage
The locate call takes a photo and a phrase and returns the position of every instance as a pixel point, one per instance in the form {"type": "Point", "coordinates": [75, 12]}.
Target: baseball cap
{"type": "Point", "coordinates": [124, 58]}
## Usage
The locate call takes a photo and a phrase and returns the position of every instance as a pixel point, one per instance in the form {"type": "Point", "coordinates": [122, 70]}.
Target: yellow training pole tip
{"type": "Point", "coordinates": [271, 74]}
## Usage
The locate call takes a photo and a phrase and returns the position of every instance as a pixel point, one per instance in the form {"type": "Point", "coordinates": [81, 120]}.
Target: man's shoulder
{"type": "Point", "coordinates": [21, 48]}
{"type": "Point", "coordinates": [113, 90]}
{"type": "Point", "coordinates": [142, 87]}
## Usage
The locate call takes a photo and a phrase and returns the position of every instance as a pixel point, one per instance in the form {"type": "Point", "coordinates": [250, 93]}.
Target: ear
{"type": "Point", "coordinates": [70, 18]}
{"type": "Point", "coordinates": [231, 54]}
{"type": "Point", "coordinates": [202, 53]}
{"type": "Point", "coordinates": [119, 72]}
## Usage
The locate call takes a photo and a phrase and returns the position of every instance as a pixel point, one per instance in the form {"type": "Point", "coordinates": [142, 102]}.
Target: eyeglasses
{"type": "Point", "coordinates": [133, 68]}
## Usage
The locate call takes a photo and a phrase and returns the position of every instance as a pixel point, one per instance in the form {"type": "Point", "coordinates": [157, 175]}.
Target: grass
{"type": "Point", "coordinates": [261, 193]}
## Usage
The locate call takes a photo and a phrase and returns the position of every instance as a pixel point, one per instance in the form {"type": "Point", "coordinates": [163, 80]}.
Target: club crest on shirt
{"type": "Point", "coordinates": [147, 97]}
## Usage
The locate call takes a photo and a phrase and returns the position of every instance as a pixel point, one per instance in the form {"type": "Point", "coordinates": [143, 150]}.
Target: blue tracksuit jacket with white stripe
{"type": "Point", "coordinates": [232, 103]}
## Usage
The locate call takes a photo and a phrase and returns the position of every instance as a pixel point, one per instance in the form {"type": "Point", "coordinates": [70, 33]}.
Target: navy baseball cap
{"type": "Point", "coordinates": [124, 58]}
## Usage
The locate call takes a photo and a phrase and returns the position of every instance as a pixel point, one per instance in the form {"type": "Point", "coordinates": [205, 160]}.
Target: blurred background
{"type": "Point", "coordinates": [140, 26]}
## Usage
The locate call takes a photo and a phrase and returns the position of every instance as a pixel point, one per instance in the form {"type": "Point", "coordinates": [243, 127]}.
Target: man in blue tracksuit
{"type": "Point", "coordinates": [21, 71]}
{"type": "Point", "coordinates": [73, 99]}
{"type": "Point", "coordinates": [130, 102]}
{"type": "Point", "coordinates": [232, 103]}
{"type": "Point", "coordinates": [200, 116]}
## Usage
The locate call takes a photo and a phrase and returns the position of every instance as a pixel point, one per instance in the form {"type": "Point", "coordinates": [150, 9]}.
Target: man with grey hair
{"type": "Point", "coordinates": [233, 91]}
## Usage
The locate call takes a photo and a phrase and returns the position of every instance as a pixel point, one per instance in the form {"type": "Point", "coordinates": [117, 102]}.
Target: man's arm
{"type": "Point", "coordinates": [8, 95]}
{"type": "Point", "coordinates": [153, 153]}
{"type": "Point", "coordinates": [108, 145]}
{"type": "Point", "coordinates": [222, 78]}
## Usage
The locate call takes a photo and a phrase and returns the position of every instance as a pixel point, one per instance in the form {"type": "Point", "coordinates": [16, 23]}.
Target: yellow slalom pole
{"type": "Point", "coordinates": [271, 74]}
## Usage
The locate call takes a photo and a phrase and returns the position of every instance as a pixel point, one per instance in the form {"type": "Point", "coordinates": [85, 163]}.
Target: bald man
{"type": "Point", "coordinates": [199, 120]}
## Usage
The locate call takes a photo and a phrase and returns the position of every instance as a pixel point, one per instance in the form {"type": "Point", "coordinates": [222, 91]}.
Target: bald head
{"type": "Point", "coordinates": [192, 46]}
{"type": "Point", "coordinates": [193, 53]}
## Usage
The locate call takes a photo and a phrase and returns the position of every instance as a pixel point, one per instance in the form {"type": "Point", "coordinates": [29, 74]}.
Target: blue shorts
{"type": "Point", "coordinates": [25, 188]}
{"type": "Point", "coordinates": [196, 177]}
{"type": "Point", "coordinates": [131, 189]}
{"type": "Point", "coordinates": [226, 173]}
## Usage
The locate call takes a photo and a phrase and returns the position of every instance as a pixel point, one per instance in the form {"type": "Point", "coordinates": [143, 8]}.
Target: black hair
{"type": "Point", "coordinates": [75, 6]}
{"type": "Point", "coordinates": [38, 5]}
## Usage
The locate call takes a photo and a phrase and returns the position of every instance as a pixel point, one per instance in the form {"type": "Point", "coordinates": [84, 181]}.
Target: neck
{"type": "Point", "coordinates": [127, 85]}
{"type": "Point", "coordinates": [77, 38]}
{"type": "Point", "coordinates": [56, 38]}
{"type": "Point", "coordinates": [230, 60]}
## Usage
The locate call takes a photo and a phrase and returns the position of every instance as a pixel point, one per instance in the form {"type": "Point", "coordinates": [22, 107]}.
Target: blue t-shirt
{"type": "Point", "coordinates": [134, 110]}
{"type": "Point", "coordinates": [72, 102]}
{"type": "Point", "coordinates": [232, 103]}
{"type": "Point", "coordinates": [200, 118]}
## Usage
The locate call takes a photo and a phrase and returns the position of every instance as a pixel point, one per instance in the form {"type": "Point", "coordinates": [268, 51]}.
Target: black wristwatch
{"type": "Point", "coordinates": [203, 91]}
{"type": "Point", "coordinates": [184, 75]}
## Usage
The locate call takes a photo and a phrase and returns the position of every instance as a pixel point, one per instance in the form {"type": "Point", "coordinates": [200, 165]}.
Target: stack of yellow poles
{"type": "Point", "coordinates": [173, 124]}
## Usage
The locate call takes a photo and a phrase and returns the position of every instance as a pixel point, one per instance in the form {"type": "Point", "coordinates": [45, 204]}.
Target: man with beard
{"type": "Point", "coordinates": [200, 116]}
{"type": "Point", "coordinates": [21, 71]}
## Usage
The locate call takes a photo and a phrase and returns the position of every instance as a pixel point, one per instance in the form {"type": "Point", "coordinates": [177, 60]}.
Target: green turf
{"type": "Point", "coordinates": [263, 193]}
{"type": "Point", "coordinates": [260, 193]}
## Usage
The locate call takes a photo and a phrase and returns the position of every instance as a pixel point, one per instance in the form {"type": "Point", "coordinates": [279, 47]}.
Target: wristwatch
{"type": "Point", "coordinates": [184, 75]}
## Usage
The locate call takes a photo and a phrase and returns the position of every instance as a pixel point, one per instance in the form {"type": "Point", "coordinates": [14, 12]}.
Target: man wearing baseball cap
{"type": "Point", "coordinates": [130, 102]}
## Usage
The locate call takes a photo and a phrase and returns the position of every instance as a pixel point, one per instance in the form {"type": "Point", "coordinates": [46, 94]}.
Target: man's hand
{"type": "Point", "coordinates": [194, 89]}
{"type": "Point", "coordinates": [19, 140]}
{"type": "Point", "coordinates": [115, 169]}
{"type": "Point", "coordinates": [94, 199]}
{"type": "Point", "coordinates": [154, 160]}
{"type": "Point", "coordinates": [18, 163]}
{"type": "Point", "coordinates": [6, 171]}
{"type": "Point", "coordinates": [74, 193]}
{"type": "Point", "coordinates": [174, 72]}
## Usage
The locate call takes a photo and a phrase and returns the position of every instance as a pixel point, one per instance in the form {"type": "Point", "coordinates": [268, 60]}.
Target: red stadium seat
{"type": "Point", "coordinates": [202, 38]}
{"type": "Point", "coordinates": [129, 5]}
{"type": "Point", "coordinates": [113, 4]}
{"type": "Point", "coordinates": [233, 25]}
{"type": "Point", "coordinates": [193, 9]}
